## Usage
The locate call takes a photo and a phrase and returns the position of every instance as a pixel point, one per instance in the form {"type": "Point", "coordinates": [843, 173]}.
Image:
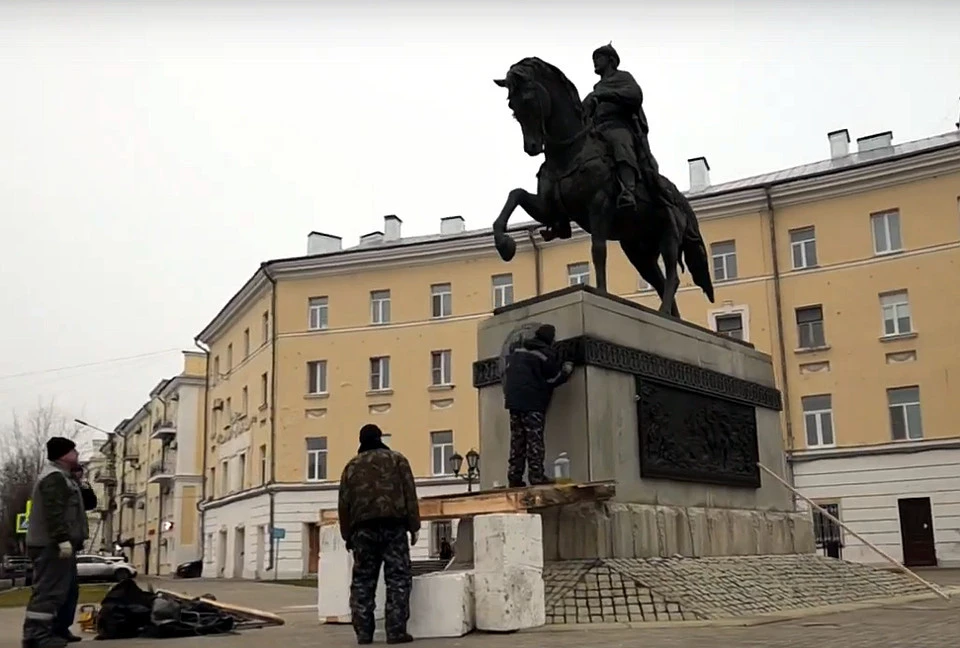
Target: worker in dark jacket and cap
{"type": "Point", "coordinates": [534, 369]}
{"type": "Point", "coordinates": [378, 508]}
{"type": "Point", "coordinates": [56, 530]}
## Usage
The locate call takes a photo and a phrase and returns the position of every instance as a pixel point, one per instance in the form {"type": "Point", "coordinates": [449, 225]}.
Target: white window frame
{"type": "Point", "coordinates": [895, 306]}
{"type": "Point", "coordinates": [318, 313]}
{"type": "Point", "coordinates": [441, 368]}
{"type": "Point", "coordinates": [317, 377]}
{"type": "Point", "coordinates": [891, 223]}
{"type": "Point", "coordinates": [265, 325]}
{"type": "Point", "coordinates": [230, 357]}
{"type": "Point", "coordinates": [727, 260]}
{"type": "Point", "coordinates": [803, 244]}
{"type": "Point", "coordinates": [441, 300]}
{"type": "Point", "coordinates": [380, 307]}
{"type": "Point", "coordinates": [742, 310]}
{"type": "Point", "coordinates": [578, 273]}
{"type": "Point", "coordinates": [264, 389]}
{"type": "Point", "coordinates": [441, 451]}
{"type": "Point", "coordinates": [726, 316]}
{"type": "Point", "coordinates": [263, 464]}
{"type": "Point", "coordinates": [813, 420]}
{"type": "Point", "coordinates": [903, 408]}
{"type": "Point", "coordinates": [502, 287]}
{"type": "Point", "coordinates": [244, 401]}
{"type": "Point", "coordinates": [246, 343]}
{"type": "Point", "coordinates": [225, 485]}
{"type": "Point", "coordinates": [380, 370]}
{"type": "Point", "coordinates": [811, 327]}
{"type": "Point", "coordinates": [314, 463]}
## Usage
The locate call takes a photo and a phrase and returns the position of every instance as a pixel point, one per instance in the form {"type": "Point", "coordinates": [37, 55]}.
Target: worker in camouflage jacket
{"type": "Point", "coordinates": [56, 531]}
{"type": "Point", "coordinates": [378, 508]}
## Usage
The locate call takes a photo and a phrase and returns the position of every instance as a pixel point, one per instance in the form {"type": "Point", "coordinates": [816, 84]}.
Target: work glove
{"type": "Point", "coordinates": [568, 368]}
{"type": "Point", "coordinates": [66, 549]}
{"type": "Point", "coordinates": [413, 538]}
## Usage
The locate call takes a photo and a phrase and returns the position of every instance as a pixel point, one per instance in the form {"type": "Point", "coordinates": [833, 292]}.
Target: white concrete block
{"type": "Point", "coordinates": [502, 542]}
{"type": "Point", "coordinates": [442, 605]}
{"type": "Point", "coordinates": [510, 600]}
{"type": "Point", "coordinates": [334, 573]}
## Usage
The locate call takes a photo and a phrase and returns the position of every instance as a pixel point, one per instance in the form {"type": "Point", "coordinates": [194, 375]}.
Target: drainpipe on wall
{"type": "Point", "coordinates": [781, 340]}
{"type": "Point", "coordinates": [272, 559]}
{"type": "Point", "coordinates": [536, 262]}
{"type": "Point", "coordinates": [203, 468]}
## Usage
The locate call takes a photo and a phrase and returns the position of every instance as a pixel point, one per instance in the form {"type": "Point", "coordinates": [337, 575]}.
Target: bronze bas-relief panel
{"type": "Point", "coordinates": [696, 437]}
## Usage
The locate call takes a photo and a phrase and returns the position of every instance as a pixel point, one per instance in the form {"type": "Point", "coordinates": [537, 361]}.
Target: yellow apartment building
{"type": "Point", "coordinates": [159, 481]}
{"type": "Point", "coordinates": [100, 471]}
{"type": "Point", "coordinates": [841, 269]}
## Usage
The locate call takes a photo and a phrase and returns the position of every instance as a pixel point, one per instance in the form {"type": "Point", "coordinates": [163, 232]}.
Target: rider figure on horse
{"type": "Point", "coordinates": [615, 108]}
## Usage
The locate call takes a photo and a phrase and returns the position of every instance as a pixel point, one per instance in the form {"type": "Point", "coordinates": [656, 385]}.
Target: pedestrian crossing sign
{"type": "Point", "coordinates": [23, 519]}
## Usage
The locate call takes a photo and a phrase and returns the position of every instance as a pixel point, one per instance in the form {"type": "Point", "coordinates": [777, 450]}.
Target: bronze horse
{"type": "Point", "coordinates": [577, 183]}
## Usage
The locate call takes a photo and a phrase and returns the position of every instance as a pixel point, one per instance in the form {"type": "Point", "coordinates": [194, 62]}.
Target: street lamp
{"type": "Point", "coordinates": [473, 467]}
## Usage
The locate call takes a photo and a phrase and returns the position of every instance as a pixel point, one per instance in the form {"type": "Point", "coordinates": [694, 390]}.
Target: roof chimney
{"type": "Point", "coordinates": [452, 225]}
{"type": "Point", "coordinates": [874, 142]}
{"type": "Point", "coordinates": [699, 173]}
{"type": "Point", "coordinates": [320, 243]}
{"type": "Point", "coordinates": [839, 143]}
{"type": "Point", "coordinates": [391, 228]}
{"type": "Point", "coordinates": [373, 238]}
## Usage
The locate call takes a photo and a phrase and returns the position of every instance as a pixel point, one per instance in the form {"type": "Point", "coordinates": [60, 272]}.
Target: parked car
{"type": "Point", "coordinates": [104, 568]}
{"type": "Point", "coordinates": [192, 569]}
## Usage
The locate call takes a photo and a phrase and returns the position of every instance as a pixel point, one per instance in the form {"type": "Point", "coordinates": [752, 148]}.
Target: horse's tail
{"type": "Point", "coordinates": [692, 248]}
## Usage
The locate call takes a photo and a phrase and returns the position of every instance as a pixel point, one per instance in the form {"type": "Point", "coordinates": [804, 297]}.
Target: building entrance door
{"type": "Point", "coordinates": [916, 532]}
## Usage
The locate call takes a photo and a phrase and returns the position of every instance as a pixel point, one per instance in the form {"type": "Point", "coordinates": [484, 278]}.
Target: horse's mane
{"type": "Point", "coordinates": [533, 67]}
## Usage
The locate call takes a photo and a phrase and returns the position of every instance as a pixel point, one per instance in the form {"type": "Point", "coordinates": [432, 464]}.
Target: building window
{"type": "Point", "coordinates": [380, 306]}
{"type": "Point", "coordinates": [803, 248]}
{"type": "Point", "coordinates": [380, 373]}
{"type": "Point", "coordinates": [578, 273]}
{"type": "Point", "coordinates": [730, 325]}
{"type": "Point", "coordinates": [216, 369]}
{"type": "Point", "coordinates": [895, 310]}
{"type": "Point", "coordinates": [263, 464]}
{"type": "Point", "coordinates": [386, 439]}
{"type": "Point", "coordinates": [246, 343]}
{"type": "Point", "coordinates": [317, 313]}
{"type": "Point", "coordinates": [502, 290]}
{"type": "Point", "coordinates": [441, 367]}
{"type": "Point", "coordinates": [886, 232]}
{"type": "Point", "coordinates": [441, 449]}
{"type": "Point", "coordinates": [242, 470]}
{"type": "Point", "coordinates": [264, 388]}
{"type": "Point", "coordinates": [441, 298]}
{"type": "Point", "coordinates": [316, 458]}
{"type": "Point", "coordinates": [904, 405]}
{"type": "Point", "coordinates": [440, 530]}
{"type": "Point", "coordinates": [724, 260]}
{"type": "Point", "coordinates": [810, 327]}
{"type": "Point", "coordinates": [818, 420]}
{"type": "Point", "coordinates": [317, 377]}
{"type": "Point", "coordinates": [230, 357]}
{"type": "Point", "coordinates": [244, 401]}
{"type": "Point", "coordinates": [829, 537]}
{"type": "Point", "coordinates": [213, 481]}
{"type": "Point", "coordinates": [228, 408]}
{"type": "Point", "coordinates": [265, 326]}
{"type": "Point", "coordinates": [225, 477]}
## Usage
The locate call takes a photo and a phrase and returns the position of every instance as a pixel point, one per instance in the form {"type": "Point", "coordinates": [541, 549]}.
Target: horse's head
{"type": "Point", "coordinates": [533, 89]}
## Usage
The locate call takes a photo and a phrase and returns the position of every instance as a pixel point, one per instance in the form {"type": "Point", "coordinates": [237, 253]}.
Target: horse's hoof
{"type": "Point", "coordinates": [506, 247]}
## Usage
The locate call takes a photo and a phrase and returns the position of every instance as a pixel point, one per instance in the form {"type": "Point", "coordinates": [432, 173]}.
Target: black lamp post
{"type": "Point", "coordinates": [473, 467]}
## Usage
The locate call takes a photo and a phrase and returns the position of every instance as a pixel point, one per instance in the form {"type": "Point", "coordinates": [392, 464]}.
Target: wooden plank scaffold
{"type": "Point", "coordinates": [503, 500]}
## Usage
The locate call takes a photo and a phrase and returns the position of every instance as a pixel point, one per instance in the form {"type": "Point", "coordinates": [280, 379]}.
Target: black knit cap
{"type": "Point", "coordinates": [370, 433]}
{"type": "Point", "coordinates": [546, 333]}
{"type": "Point", "coordinates": [57, 447]}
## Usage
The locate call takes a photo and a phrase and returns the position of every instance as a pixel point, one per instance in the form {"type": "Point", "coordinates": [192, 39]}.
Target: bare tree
{"type": "Point", "coordinates": [22, 456]}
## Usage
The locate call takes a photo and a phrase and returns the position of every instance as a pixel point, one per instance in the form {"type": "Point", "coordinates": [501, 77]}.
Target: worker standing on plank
{"type": "Point", "coordinates": [57, 530]}
{"type": "Point", "coordinates": [378, 508]}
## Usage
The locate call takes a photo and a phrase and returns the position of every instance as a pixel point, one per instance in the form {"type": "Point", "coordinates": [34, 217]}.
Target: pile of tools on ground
{"type": "Point", "coordinates": [127, 612]}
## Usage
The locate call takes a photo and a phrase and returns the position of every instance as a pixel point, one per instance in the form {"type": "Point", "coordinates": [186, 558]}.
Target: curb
{"type": "Point", "coordinates": [756, 620]}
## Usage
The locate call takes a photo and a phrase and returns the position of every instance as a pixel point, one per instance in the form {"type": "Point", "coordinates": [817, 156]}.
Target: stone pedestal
{"type": "Point", "coordinates": [675, 414]}
{"type": "Point", "coordinates": [334, 574]}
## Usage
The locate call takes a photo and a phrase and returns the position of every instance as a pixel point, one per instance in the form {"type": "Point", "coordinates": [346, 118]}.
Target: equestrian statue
{"type": "Point", "coordinates": [599, 173]}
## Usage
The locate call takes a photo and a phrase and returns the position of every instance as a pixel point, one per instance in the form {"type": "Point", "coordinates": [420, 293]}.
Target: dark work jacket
{"type": "Point", "coordinates": [377, 488]}
{"type": "Point", "coordinates": [533, 371]}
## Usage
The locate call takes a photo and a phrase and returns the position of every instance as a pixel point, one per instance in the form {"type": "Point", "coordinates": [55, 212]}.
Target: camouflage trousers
{"type": "Point", "coordinates": [388, 545]}
{"type": "Point", "coordinates": [526, 447]}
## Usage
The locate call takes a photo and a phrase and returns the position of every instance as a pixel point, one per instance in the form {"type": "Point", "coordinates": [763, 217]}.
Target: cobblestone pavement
{"type": "Point", "coordinates": [924, 624]}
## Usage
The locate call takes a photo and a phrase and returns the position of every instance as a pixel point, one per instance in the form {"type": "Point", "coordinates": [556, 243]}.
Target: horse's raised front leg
{"type": "Point", "coordinates": [531, 204]}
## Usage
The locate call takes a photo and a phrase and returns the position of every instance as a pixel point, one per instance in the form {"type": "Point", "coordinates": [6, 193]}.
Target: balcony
{"type": "Point", "coordinates": [131, 455]}
{"type": "Point", "coordinates": [106, 475]}
{"type": "Point", "coordinates": [163, 470]}
{"type": "Point", "coordinates": [164, 431]}
{"type": "Point", "coordinates": [128, 494]}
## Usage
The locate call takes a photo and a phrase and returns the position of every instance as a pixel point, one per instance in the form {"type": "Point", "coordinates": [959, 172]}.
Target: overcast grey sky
{"type": "Point", "coordinates": [153, 153]}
